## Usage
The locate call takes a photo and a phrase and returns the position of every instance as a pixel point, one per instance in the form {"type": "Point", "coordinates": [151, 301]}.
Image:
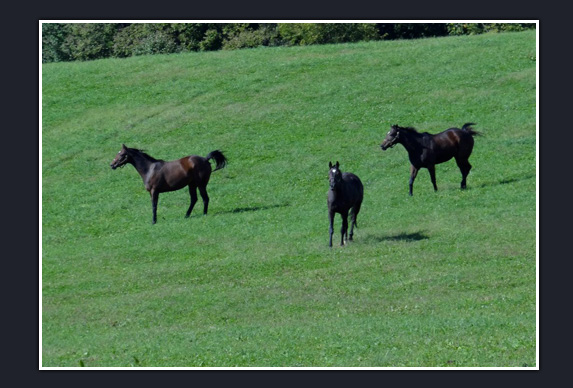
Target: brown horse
{"type": "Point", "coordinates": [345, 195]}
{"type": "Point", "coordinates": [160, 176]}
{"type": "Point", "coordinates": [427, 150]}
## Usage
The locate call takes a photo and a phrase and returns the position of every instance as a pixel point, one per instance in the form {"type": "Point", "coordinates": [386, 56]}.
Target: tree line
{"type": "Point", "coordinates": [88, 41]}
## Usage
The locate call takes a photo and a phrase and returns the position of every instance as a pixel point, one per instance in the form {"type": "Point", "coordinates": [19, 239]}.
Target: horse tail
{"type": "Point", "coordinates": [220, 159]}
{"type": "Point", "coordinates": [468, 128]}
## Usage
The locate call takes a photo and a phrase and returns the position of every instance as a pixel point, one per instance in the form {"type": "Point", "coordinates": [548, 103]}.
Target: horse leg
{"type": "Point", "coordinates": [344, 229]}
{"type": "Point", "coordinates": [432, 170]}
{"type": "Point", "coordinates": [352, 222]}
{"type": "Point", "coordinates": [203, 192]}
{"type": "Point", "coordinates": [331, 228]}
{"type": "Point", "coordinates": [354, 214]}
{"type": "Point", "coordinates": [193, 194]}
{"type": "Point", "coordinates": [413, 173]}
{"type": "Point", "coordinates": [465, 168]}
{"type": "Point", "coordinates": [154, 200]}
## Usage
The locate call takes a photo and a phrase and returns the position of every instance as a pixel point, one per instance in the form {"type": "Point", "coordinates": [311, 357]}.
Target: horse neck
{"type": "Point", "coordinates": [142, 163]}
{"type": "Point", "coordinates": [411, 141]}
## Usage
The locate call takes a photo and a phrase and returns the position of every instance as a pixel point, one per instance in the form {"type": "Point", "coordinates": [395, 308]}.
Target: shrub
{"type": "Point", "coordinates": [144, 38]}
{"type": "Point", "coordinates": [321, 33]}
{"type": "Point", "coordinates": [189, 35]}
{"type": "Point", "coordinates": [411, 30]}
{"type": "Point", "coordinates": [266, 35]}
{"type": "Point", "coordinates": [126, 39]}
{"type": "Point", "coordinates": [53, 36]}
{"type": "Point", "coordinates": [211, 41]}
{"type": "Point", "coordinates": [158, 42]}
{"type": "Point", "coordinates": [480, 28]}
{"type": "Point", "coordinates": [86, 41]}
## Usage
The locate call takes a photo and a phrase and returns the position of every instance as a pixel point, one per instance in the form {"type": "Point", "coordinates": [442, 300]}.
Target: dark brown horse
{"type": "Point", "coordinates": [345, 195]}
{"type": "Point", "coordinates": [160, 176]}
{"type": "Point", "coordinates": [427, 150]}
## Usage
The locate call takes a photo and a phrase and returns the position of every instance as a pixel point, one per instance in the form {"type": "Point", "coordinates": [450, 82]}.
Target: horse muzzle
{"type": "Point", "coordinates": [118, 163]}
{"type": "Point", "coordinates": [385, 145]}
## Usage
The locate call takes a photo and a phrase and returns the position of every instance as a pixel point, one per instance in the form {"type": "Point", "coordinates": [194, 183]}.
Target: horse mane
{"type": "Point", "coordinates": [144, 154]}
{"type": "Point", "coordinates": [408, 129]}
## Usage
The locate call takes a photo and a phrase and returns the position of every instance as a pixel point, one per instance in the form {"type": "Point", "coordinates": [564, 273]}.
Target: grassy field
{"type": "Point", "coordinates": [445, 279]}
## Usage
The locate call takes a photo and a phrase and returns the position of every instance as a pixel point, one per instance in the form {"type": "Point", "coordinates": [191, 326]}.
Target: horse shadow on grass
{"type": "Point", "coordinates": [507, 181]}
{"type": "Point", "coordinates": [254, 208]}
{"type": "Point", "coordinates": [405, 237]}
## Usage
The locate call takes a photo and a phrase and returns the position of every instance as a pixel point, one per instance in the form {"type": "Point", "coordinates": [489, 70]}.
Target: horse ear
{"type": "Point", "coordinates": [329, 164]}
{"type": "Point", "coordinates": [337, 164]}
{"type": "Point", "coordinates": [123, 146]}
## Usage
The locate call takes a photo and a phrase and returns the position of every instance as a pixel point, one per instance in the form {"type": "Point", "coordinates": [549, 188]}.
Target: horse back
{"type": "Point", "coordinates": [452, 143]}
{"type": "Point", "coordinates": [179, 173]}
{"type": "Point", "coordinates": [456, 135]}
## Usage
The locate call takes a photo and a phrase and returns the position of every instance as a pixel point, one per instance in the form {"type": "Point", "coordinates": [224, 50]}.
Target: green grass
{"type": "Point", "coordinates": [439, 279]}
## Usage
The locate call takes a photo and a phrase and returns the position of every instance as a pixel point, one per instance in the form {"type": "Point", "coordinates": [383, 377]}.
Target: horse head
{"type": "Point", "coordinates": [121, 159]}
{"type": "Point", "coordinates": [334, 174]}
{"type": "Point", "coordinates": [392, 137]}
